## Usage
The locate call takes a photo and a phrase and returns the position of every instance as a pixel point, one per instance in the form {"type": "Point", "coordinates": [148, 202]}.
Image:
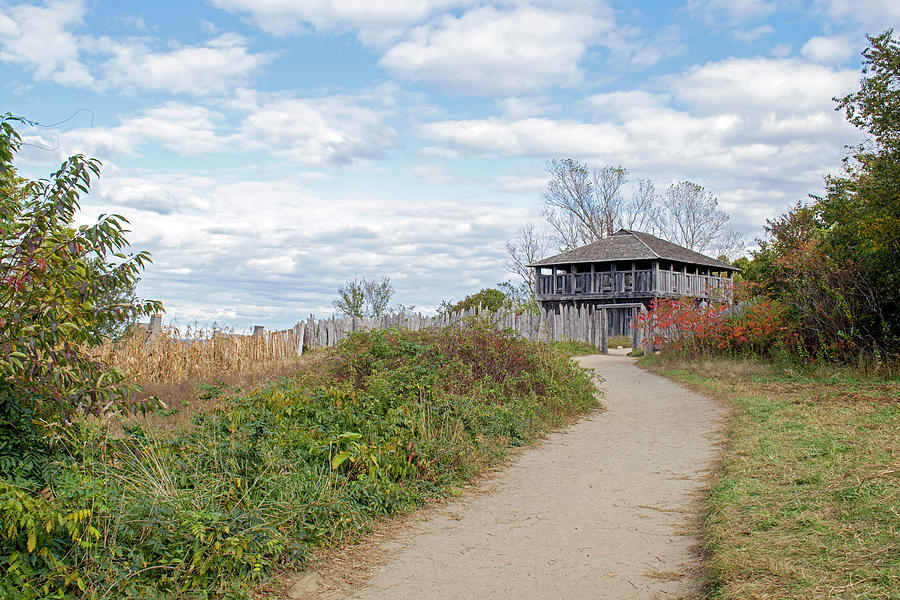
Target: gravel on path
{"type": "Point", "coordinates": [606, 508]}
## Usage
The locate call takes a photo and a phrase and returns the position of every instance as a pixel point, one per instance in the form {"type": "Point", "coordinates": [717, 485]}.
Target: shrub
{"type": "Point", "coordinates": [55, 281]}
{"type": "Point", "coordinates": [386, 421]}
{"type": "Point", "coordinates": [695, 329]}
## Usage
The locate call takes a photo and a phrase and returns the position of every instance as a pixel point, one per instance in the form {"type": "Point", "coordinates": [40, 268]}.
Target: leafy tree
{"type": "Point", "coordinates": [54, 288]}
{"type": "Point", "coordinates": [861, 208]}
{"type": "Point", "coordinates": [351, 300]}
{"type": "Point", "coordinates": [364, 297]}
{"type": "Point", "coordinates": [378, 295]}
{"type": "Point", "coordinates": [834, 261]}
{"type": "Point", "coordinates": [792, 266]}
{"type": "Point", "coordinates": [489, 299]}
{"type": "Point", "coordinates": [120, 293]}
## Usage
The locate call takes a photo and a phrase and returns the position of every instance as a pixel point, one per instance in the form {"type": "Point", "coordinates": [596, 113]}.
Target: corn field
{"type": "Point", "coordinates": [171, 355]}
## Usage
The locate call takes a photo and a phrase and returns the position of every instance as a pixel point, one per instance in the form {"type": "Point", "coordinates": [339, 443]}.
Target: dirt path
{"type": "Point", "coordinates": [603, 509]}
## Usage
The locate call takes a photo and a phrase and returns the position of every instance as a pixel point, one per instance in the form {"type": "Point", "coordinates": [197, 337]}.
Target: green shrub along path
{"type": "Point", "coordinates": [606, 508]}
{"type": "Point", "coordinates": [377, 426]}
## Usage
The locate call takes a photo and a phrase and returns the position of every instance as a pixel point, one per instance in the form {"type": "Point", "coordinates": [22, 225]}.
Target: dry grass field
{"type": "Point", "coordinates": [180, 366]}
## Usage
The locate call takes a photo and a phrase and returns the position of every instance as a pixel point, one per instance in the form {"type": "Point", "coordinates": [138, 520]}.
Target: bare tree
{"type": "Point", "coordinates": [529, 245]}
{"type": "Point", "coordinates": [642, 212]}
{"type": "Point", "coordinates": [608, 182]}
{"type": "Point", "coordinates": [689, 215]}
{"type": "Point", "coordinates": [569, 198]}
{"type": "Point", "coordinates": [566, 230]}
{"type": "Point", "coordinates": [583, 204]}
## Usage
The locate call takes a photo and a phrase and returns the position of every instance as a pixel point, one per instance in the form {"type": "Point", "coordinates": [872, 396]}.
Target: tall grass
{"type": "Point", "coordinates": [175, 355]}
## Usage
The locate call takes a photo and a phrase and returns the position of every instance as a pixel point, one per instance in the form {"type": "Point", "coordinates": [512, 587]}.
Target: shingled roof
{"type": "Point", "coordinates": [632, 245]}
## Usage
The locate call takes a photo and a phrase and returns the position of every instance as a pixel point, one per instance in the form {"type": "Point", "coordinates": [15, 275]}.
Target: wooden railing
{"type": "Point", "coordinates": [633, 283]}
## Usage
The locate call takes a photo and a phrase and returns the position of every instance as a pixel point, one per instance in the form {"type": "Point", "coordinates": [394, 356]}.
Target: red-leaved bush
{"type": "Point", "coordinates": [683, 325]}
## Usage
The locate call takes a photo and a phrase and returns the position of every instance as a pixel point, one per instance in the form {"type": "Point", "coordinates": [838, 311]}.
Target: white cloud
{"type": "Point", "coordinates": [757, 124]}
{"type": "Point", "coordinates": [317, 131]}
{"type": "Point", "coordinates": [828, 50]}
{"type": "Point", "coordinates": [41, 39]}
{"type": "Point", "coordinates": [523, 137]}
{"type": "Point", "coordinates": [37, 38]}
{"type": "Point", "coordinates": [331, 130]}
{"type": "Point", "coordinates": [781, 50]}
{"type": "Point", "coordinates": [432, 173]}
{"type": "Point", "coordinates": [288, 16]}
{"type": "Point", "coordinates": [751, 35]}
{"type": "Point", "coordinates": [514, 107]}
{"type": "Point", "coordinates": [184, 128]}
{"type": "Point", "coordinates": [212, 67]}
{"type": "Point", "coordinates": [149, 194]}
{"type": "Point", "coordinates": [519, 185]}
{"type": "Point", "coordinates": [487, 50]}
{"type": "Point", "coordinates": [734, 11]}
{"type": "Point", "coordinates": [738, 85]}
{"type": "Point", "coordinates": [291, 251]}
{"type": "Point", "coordinates": [877, 14]}
{"type": "Point", "coordinates": [618, 106]}
{"type": "Point", "coordinates": [627, 48]}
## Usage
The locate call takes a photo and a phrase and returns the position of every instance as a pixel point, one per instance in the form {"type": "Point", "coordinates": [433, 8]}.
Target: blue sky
{"type": "Point", "coordinates": [265, 151]}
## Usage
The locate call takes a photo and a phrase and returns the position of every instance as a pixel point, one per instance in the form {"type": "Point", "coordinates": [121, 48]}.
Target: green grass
{"type": "Point", "coordinates": [622, 340]}
{"type": "Point", "coordinates": [574, 348]}
{"type": "Point", "coordinates": [263, 478]}
{"type": "Point", "coordinates": [807, 501]}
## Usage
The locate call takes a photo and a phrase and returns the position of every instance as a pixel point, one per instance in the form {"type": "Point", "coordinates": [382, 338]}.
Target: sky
{"type": "Point", "coordinates": [266, 151]}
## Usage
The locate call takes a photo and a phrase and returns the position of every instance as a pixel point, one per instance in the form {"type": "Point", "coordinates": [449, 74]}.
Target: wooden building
{"type": "Point", "coordinates": [628, 270]}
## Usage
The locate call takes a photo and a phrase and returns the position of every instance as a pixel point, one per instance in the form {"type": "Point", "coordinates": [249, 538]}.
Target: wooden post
{"type": "Point", "coordinates": [604, 332]}
{"type": "Point", "coordinates": [155, 327]}
{"type": "Point", "coordinates": [636, 330]}
{"type": "Point", "coordinates": [654, 278]}
{"type": "Point", "coordinates": [645, 339]}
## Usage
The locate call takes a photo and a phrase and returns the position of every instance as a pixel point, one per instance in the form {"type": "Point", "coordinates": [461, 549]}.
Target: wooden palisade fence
{"type": "Point", "coordinates": [589, 324]}
{"type": "Point", "coordinates": [170, 355]}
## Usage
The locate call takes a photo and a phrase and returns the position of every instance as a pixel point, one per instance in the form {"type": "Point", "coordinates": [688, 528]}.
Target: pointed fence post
{"type": "Point", "coordinates": [301, 332]}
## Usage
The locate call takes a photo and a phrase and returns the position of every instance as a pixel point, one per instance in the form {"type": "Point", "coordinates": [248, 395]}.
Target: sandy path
{"type": "Point", "coordinates": [603, 509]}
